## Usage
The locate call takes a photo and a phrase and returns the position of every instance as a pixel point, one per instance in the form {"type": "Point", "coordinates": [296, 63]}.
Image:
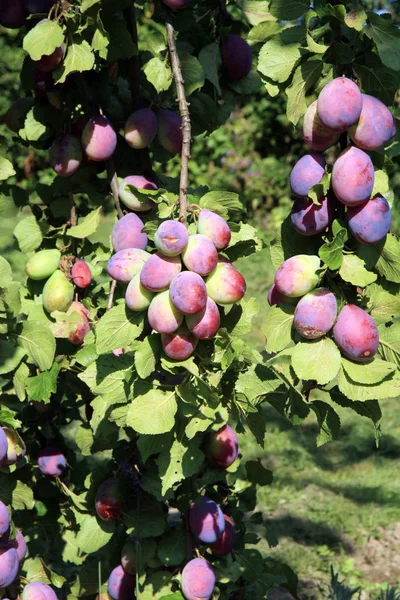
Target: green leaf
{"type": "Point", "coordinates": [80, 58]}
{"type": "Point", "coordinates": [146, 518]}
{"type": "Point", "coordinates": [277, 61]}
{"type": "Point", "coordinates": [10, 356]}
{"type": "Point", "coordinates": [377, 80]}
{"type": "Point", "coordinates": [43, 39]}
{"type": "Point", "coordinates": [257, 474]}
{"type": "Point", "coordinates": [172, 550]}
{"type": "Point", "coordinates": [159, 74]}
{"type": "Point", "coordinates": [387, 39]}
{"type": "Point", "coordinates": [210, 60]}
{"type": "Point", "coordinates": [256, 383]}
{"type": "Point", "coordinates": [246, 312]}
{"type": "Point", "coordinates": [181, 462]}
{"type": "Point", "coordinates": [342, 54]}
{"type": "Point", "coordinates": [6, 168]}
{"type": "Point", "coordinates": [263, 31]}
{"type": "Point", "coordinates": [389, 342]}
{"type": "Point", "coordinates": [42, 386]}
{"type": "Point", "coordinates": [19, 380]}
{"type": "Point", "coordinates": [277, 328]}
{"type": "Point", "coordinates": [39, 343]}
{"type": "Point", "coordinates": [381, 183]}
{"type": "Point", "coordinates": [86, 4]}
{"type": "Point", "coordinates": [145, 356]}
{"type": "Point", "coordinates": [153, 444]}
{"type": "Point", "coordinates": [193, 74]}
{"type": "Point", "coordinates": [332, 252]}
{"type": "Point", "coordinates": [86, 226]}
{"type": "Point", "coordinates": [93, 535]}
{"type": "Point", "coordinates": [304, 77]}
{"type": "Point", "coordinates": [370, 373]}
{"type": "Point", "coordinates": [319, 361]}
{"type": "Point", "coordinates": [221, 203]}
{"type": "Point", "coordinates": [255, 11]}
{"type": "Point", "coordinates": [117, 329]}
{"type": "Point", "coordinates": [383, 305]}
{"type": "Point", "coordinates": [28, 234]}
{"type": "Point", "coordinates": [319, 190]}
{"type": "Point", "coordinates": [5, 272]}
{"type": "Point", "coordinates": [15, 493]}
{"type": "Point", "coordinates": [356, 18]}
{"type": "Point", "coordinates": [384, 257]}
{"type": "Point", "coordinates": [289, 10]}
{"type": "Point", "coordinates": [353, 271]}
{"type": "Point", "coordinates": [160, 405]}
{"type": "Point", "coordinates": [389, 388]}
{"type": "Point", "coordinates": [369, 409]}
{"type": "Point", "coordinates": [328, 422]}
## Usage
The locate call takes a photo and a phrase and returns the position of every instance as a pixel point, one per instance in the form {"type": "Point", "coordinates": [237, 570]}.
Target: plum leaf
{"type": "Point", "coordinates": [318, 361]}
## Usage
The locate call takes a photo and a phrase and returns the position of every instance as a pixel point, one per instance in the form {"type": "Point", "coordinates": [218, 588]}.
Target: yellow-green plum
{"type": "Point", "coordinates": [188, 292]}
{"type": "Point", "coordinates": [125, 264]}
{"type": "Point", "coordinates": [9, 565]}
{"type": "Point", "coordinates": [356, 334]}
{"type": "Point", "coordinates": [58, 292]}
{"type": "Point", "coordinates": [371, 221]}
{"type": "Point", "coordinates": [127, 233]}
{"type": "Point", "coordinates": [81, 327]}
{"type": "Point", "coordinates": [99, 139]}
{"type": "Point", "coordinates": [236, 57]}
{"type": "Point", "coordinates": [38, 591]}
{"type": "Point", "coordinates": [375, 127]}
{"type": "Point", "coordinates": [225, 544]}
{"type": "Point", "coordinates": [198, 580]}
{"type": "Point", "coordinates": [66, 155]}
{"type": "Point", "coordinates": [171, 237]}
{"type": "Point", "coordinates": [137, 298]}
{"type": "Point", "coordinates": [43, 264]}
{"type": "Point", "coordinates": [159, 271]}
{"type": "Point", "coordinates": [353, 177]}
{"type": "Point", "coordinates": [206, 520]}
{"type": "Point", "coordinates": [129, 198]}
{"type": "Point", "coordinates": [141, 128]}
{"type": "Point", "coordinates": [214, 227]}
{"type": "Point", "coordinates": [205, 324]}
{"type": "Point", "coordinates": [308, 171]}
{"type": "Point", "coordinates": [81, 274]}
{"type": "Point", "coordinates": [308, 218]}
{"type": "Point", "coordinates": [180, 344]}
{"type": "Point", "coordinates": [225, 285]}
{"type": "Point", "coordinates": [121, 585]}
{"type": "Point", "coordinates": [52, 462]}
{"type": "Point", "coordinates": [163, 316]}
{"type": "Point", "coordinates": [128, 557]}
{"type": "Point", "coordinates": [222, 447]}
{"type": "Point", "coordinates": [5, 520]}
{"type": "Point", "coordinates": [170, 131]}
{"type": "Point", "coordinates": [339, 104]}
{"type": "Point", "coordinates": [200, 255]}
{"type": "Point", "coordinates": [3, 448]}
{"type": "Point", "coordinates": [315, 313]}
{"type": "Point", "coordinates": [297, 275]}
{"type": "Point", "coordinates": [16, 448]}
{"type": "Point", "coordinates": [315, 134]}
{"type": "Point", "coordinates": [16, 114]}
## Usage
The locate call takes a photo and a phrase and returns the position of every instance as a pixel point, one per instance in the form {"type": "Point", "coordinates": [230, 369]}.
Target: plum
{"type": "Point", "coordinates": [9, 565]}
{"type": "Point", "coordinates": [3, 446]}
{"type": "Point", "coordinates": [81, 274]}
{"type": "Point", "coordinates": [308, 218]}
{"type": "Point", "coordinates": [198, 580]}
{"type": "Point", "coordinates": [170, 131]}
{"type": "Point", "coordinates": [99, 139]}
{"type": "Point", "coordinates": [125, 264]}
{"type": "Point", "coordinates": [177, 4]}
{"type": "Point", "coordinates": [308, 171]}
{"type": "Point", "coordinates": [356, 334]}
{"type": "Point", "coordinates": [128, 558]}
{"type": "Point", "coordinates": [227, 540]}
{"type": "Point", "coordinates": [129, 198]}
{"type": "Point", "coordinates": [225, 285]}
{"type": "Point", "coordinates": [16, 448]}
{"type": "Point", "coordinates": [163, 316]}
{"type": "Point", "coordinates": [52, 461]}
{"type": "Point", "coordinates": [58, 292]}
{"type": "Point", "coordinates": [66, 155]}
{"type": "Point", "coordinates": [38, 6]}
{"type": "Point", "coordinates": [371, 221]}
{"type": "Point", "coordinates": [159, 271]}
{"type": "Point", "coordinates": [188, 293]}
{"type": "Point", "coordinates": [214, 227]}
{"type": "Point", "coordinates": [141, 128]}
{"type": "Point", "coordinates": [316, 135]}
{"type": "Point", "coordinates": [137, 298]}
{"type": "Point", "coordinates": [19, 544]}
{"type": "Point", "coordinates": [206, 520]}
{"type": "Point", "coordinates": [79, 328]}
{"type": "Point", "coordinates": [38, 591]}
{"type": "Point", "coordinates": [16, 114]}
{"type": "Point", "coordinates": [205, 324]}
{"type": "Point", "coordinates": [236, 57]}
{"type": "Point", "coordinates": [375, 127]}
{"type": "Point", "coordinates": [275, 298]}
{"type": "Point", "coordinates": [315, 313]}
{"type": "Point", "coordinates": [200, 255]}
{"type": "Point", "coordinates": [121, 585]}
{"type": "Point", "coordinates": [109, 501]}
{"type": "Point", "coordinates": [297, 275]}
{"type": "Point", "coordinates": [222, 447]}
{"type": "Point", "coordinates": [44, 82]}
{"type": "Point", "coordinates": [5, 520]}
{"type": "Point", "coordinates": [180, 344]}
{"type": "Point", "coordinates": [12, 14]}
{"type": "Point", "coordinates": [127, 233]}
{"type": "Point", "coordinates": [339, 104]}
{"type": "Point", "coordinates": [48, 62]}
{"type": "Point", "coordinates": [171, 237]}
{"type": "Point", "coordinates": [353, 177]}
{"type": "Point", "coordinates": [43, 264]}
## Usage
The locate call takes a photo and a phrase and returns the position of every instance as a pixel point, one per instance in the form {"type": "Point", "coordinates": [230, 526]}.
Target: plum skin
{"type": "Point", "coordinates": [66, 155]}
{"type": "Point", "coordinates": [180, 344]}
{"type": "Point", "coordinates": [5, 520]}
{"type": "Point", "coordinates": [58, 292]}
{"type": "Point", "coordinates": [170, 131]}
{"type": "Point", "coordinates": [308, 171]}
{"type": "Point", "coordinates": [36, 589]}
{"type": "Point", "coordinates": [81, 328]}
{"type": "Point", "coordinates": [42, 264]}
{"type": "Point", "coordinates": [163, 316]}
{"type": "Point", "coordinates": [171, 238]}
{"type": "Point", "coordinates": [3, 448]}
{"type": "Point", "coordinates": [214, 227]}
{"type": "Point", "coordinates": [225, 285]}
{"type": "Point", "coordinates": [9, 565]}
{"type": "Point", "coordinates": [371, 221]}
{"type": "Point", "coordinates": [353, 177]}
{"type": "Point", "coordinates": [19, 544]}
{"type": "Point", "coordinates": [121, 585]}
{"type": "Point", "coordinates": [206, 520]}
{"type": "Point", "coordinates": [52, 462]}
{"type": "Point", "coordinates": [188, 293]}
{"type": "Point", "coordinates": [375, 127]}
{"type": "Point", "coordinates": [297, 275]}
{"type": "Point", "coordinates": [81, 274]}
{"type": "Point", "coordinates": [12, 14]}
{"type": "Point", "coordinates": [310, 219]}
{"type": "Point", "coordinates": [159, 271]}
{"type": "Point", "coordinates": [109, 502]}
{"type": "Point", "coordinates": [137, 298]}
{"type": "Point", "coordinates": [99, 139]}
{"type": "Point", "coordinates": [128, 558]}
{"type": "Point", "coordinates": [227, 540]}
{"type": "Point", "coordinates": [315, 313]}
{"type": "Point", "coordinates": [200, 255]}
{"type": "Point", "coordinates": [129, 198]}
{"type": "Point", "coordinates": [356, 334]}
{"type": "Point", "coordinates": [205, 324]}
{"type": "Point", "coordinates": [236, 57]}
{"type": "Point", "coordinates": [198, 580]}
{"type": "Point", "coordinates": [125, 264]}
{"type": "Point", "coordinates": [222, 447]}
{"type": "Point", "coordinates": [178, 4]}
{"type": "Point", "coordinates": [14, 450]}
{"type": "Point", "coordinates": [339, 104]}
{"type": "Point", "coordinates": [127, 233]}
{"type": "Point", "coordinates": [141, 128]}
{"type": "Point", "coordinates": [275, 298]}
{"type": "Point", "coordinates": [315, 134]}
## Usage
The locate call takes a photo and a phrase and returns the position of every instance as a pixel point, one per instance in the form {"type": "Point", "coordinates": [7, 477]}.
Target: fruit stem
{"type": "Point", "coordinates": [186, 125]}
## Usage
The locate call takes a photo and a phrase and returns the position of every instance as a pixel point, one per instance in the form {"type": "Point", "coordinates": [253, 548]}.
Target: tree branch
{"type": "Point", "coordinates": [186, 125]}
{"type": "Point", "coordinates": [113, 285]}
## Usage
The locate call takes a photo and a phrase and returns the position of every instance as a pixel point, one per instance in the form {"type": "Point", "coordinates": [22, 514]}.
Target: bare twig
{"type": "Point", "coordinates": [113, 181]}
{"type": "Point", "coordinates": [111, 294]}
{"type": "Point", "coordinates": [186, 125]}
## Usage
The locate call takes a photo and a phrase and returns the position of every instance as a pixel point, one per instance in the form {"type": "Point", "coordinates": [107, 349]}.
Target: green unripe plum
{"type": "Point", "coordinates": [163, 316]}
{"type": "Point", "coordinates": [225, 285]}
{"type": "Point", "coordinates": [58, 293]}
{"type": "Point", "coordinates": [297, 275]}
{"type": "Point", "coordinates": [137, 297]}
{"type": "Point", "coordinates": [43, 264]}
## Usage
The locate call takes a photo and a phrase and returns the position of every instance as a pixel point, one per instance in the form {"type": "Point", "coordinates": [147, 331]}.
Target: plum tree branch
{"type": "Point", "coordinates": [186, 124]}
{"type": "Point", "coordinates": [113, 285]}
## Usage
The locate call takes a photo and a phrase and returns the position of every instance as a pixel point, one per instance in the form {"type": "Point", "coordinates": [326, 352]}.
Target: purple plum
{"type": "Point", "coordinates": [225, 285]}
{"type": "Point", "coordinates": [309, 218]}
{"type": "Point", "coordinates": [371, 221]}
{"type": "Point", "coordinates": [297, 275]}
{"type": "Point", "coordinates": [316, 135]}
{"type": "Point", "coordinates": [141, 128]}
{"type": "Point", "coordinates": [356, 334]}
{"type": "Point", "coordinates": [163, 316]}
{"type": "Point", "coordinates": [275, 298]}
{"type": "Point", "coordinates": [180, 344]}
{"type": "Point", "coordinates": [3, 446]}
{"type": "Point", "coordinates": [9, 565]}
{"type": "Point", "coordinates": [159, 271]}
{"type": "Point", "coordinates": [308, 171]}
{"type": "Point", "coordinates": [178, 4]}
{"type": "Point", "coordinates": [52, 461]}
{"type": "Point", "coordinates": [127, 233]}
{"type": "Point", "coordinates": [16, 447]}
{"type": "Point", "coordinates": [19, 544]}
{"type": "Point", "coordinates": [206, 520]}
{"type": "Point", "coordinates": [375, 127]}
{"type": "Point", "coordinates": [129, 198]}
{"type": "Point", "coordinates": [81, 274]}
{"type": "Point", "coordinates": [214, 227]}
{"type": "Point", "coordinates": [171, 238]}
{"type": "Point", "coordinates": [128, 557]}
{"type": "Point", "coordinates": [5, 520]}
{"type": "Point", "coordinates": [353, 177]}
{"type": "Point", "coordinates": [66, 155]}
{"type": "Point", "coordinates": [198, 580]}
{"type": "Point", "coordinates": [109, 502]}
{"type": "Point", "coordinates": [236, 57]}
{"type": "Point", "coordinates": [226, 542]}
{"type": "Point", "coordinates": [99, 139]}
{"type": "Point", "coordinates": [315, 313]}
{"type": "Point", "coordinates": [16, 114]}
{"type": "Point", "coordinates": [200, 255]}
{"type": "Point", "coordinates": [205, 324]}
{"type": "Point", "coordinates": [12, 14]}
{"type": "Point", "coordinates": [125, 264]}
{"type": "Point", "coordinates": [339, 104]}
{"type": "Point", "coordinates": [222, 447]}
{"type": "Point", "coordinates": [121, 585]}
{"type": "Point", "coordinates": [170, 131]}
{"type": "Point", "coordinates": [188, 293]}
{"type": "Point", "coordinates": [137, 298]}
{"type": "Point", "coordinates": [38, 591]}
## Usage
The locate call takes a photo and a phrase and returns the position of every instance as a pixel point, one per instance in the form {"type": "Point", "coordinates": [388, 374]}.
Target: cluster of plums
{"type": "Point", "coordinates": [12, 550]}
{"type": "Point", "coordinates": [341, 107]}
{"type": "Point", "coordinates": [206, 520]}
{"type": "Point", "coordinates": [354, 330]}
{"type": "Point", "coordinates": [181, 304]}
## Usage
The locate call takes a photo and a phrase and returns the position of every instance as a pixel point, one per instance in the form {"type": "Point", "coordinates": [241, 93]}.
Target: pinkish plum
{"type": "Point", "coordinates": [226, 542]}
{"type": "Point", "coordinates": [127, 233]}
{"type": "Point", "coordinates": [316, 135]}
{"type": "Point", "coordinates": [353, 177]}
{"type": "Point", "coordinates": [180, 344]}
{"type": "Point", "coordinates": [339, 104]}
{"type": "Point", "coordinates": [38, 591]}
{"type": "Point", "coordinates": [222, 447]}
{"type": "Point", "coordinates": [371, 221]}
{"type": "Point", "coordinates": [19, 544]}
{"type": "Point", "coordinates": [206, 520]}
{"type": "Point", "coordinates": [141, 128]}
{"type": "Point", "coordinates": [200, 255]}
{"type": "Point", "coordinates": [99, 139]}
{"type": "Point", "coordinates": [205, 324]}
{"type": "Point", "coordinates": [52, 461]}
{"type": "Point", "coordinates": [297, 275]}
{"type": "Point", "coordinates": [308, 171]}
{"type": "Point", "coordinates": [9, 565]}
{"type": "Point", "coordinates": [275, 298]}
{"type": "Point", "coordinates": [80, 328]}
{"type": "Point", "coordinates": [66, 155]}
{"type": "Point", "coordinates": [159, 271]}
{"type": "Point", "coordinates": [48, 62]}
{"type": "Point", "coordinates": [225, 285]}
{"type": "Point", "coordinates": [16, 448]}
{"type": "Point", "coordinates": [137, 298]}
{"type": "Point", "coordinates": [171, 237]}
{"type": "Point", "coordinates": [375, 127]}
{"type": "Point", "coordinates": [109, 501]}
{"type": "Point", "coordinates": [170, 131]}
{"type": "Point", "coordinates": [356, 334]}
{"type": "Point", "coordinates": [188, 293]}
{"type": "Point", "coordinates": [3, 447]}
{"type": "Point", "coordinates": [236, 57]}
{"type": "Point", "coordinates": [125, 264]}
{"type": "Point", "coordinates": [81, 274]}
{"type": "Point", "coordinates": [5, 520]}
{"type": "Point", "coordinates": [308, 218]}
{"type": "Point", "coordinates": [163, 316]}
{"type": "Point", "coordinates": [178, 4]}
{"type": "Point", "coordinates": [214, 227]}
{"type": "Point", "coordinates": [198, 580]}
{"type": "Point", "coordinates": [315, 313]}
{"type": "Point", "coordinates": [129, 199]}
{"type": "Point", "coordinates": [121, 585]}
